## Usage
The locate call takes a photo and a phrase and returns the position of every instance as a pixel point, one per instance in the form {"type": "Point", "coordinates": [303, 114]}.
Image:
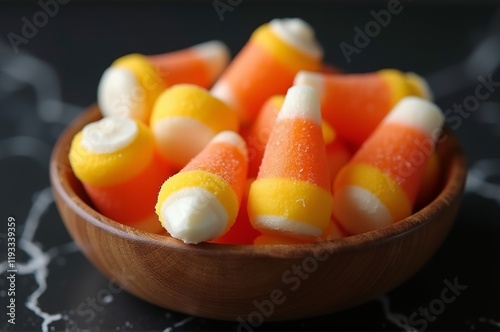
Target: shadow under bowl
{"type": "Point", "coordinates": [225, 282]}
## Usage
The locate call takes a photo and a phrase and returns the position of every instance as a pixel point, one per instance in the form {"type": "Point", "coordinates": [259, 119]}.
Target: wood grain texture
{"type": "Point", "coordinates": [224, 281]}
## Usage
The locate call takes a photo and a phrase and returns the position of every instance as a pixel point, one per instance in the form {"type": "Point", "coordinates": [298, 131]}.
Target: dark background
{"type": "Point", "coordinates": [55, 75]}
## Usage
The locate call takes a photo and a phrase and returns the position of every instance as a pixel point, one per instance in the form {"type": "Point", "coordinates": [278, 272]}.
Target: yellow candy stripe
{"type": "Point", "coordinates": [191, 101]}
{"type": "Point", "coordinates": [329, 133]}
{"type": "Point", "coordinates": [208, 181]}
{"type": "Point", "coordinates": [379, 184]}
{"type": "Point", "coordinates": [296, 200]}
{"type": "Point", "coordinates": [151, 84]}
{"type": "Point", "coordinates": [417, 86]}
{"type": "Point", "coordinates": [278, 101]}
{"type": "Point", "coordinates": [287, 54]}
{"type": "Point", "coordinates": [107, 169]}
{"type": "Point", "coordinates": [397, 83]}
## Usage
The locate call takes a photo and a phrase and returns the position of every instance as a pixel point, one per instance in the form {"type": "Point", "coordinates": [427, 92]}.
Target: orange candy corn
{"type": "Point", "coordinates": [116, 161]}
{"type": "Point", "coordinates": [133, 82]}
{"type": "Point", "coordinates": [355, 104]}
{"type": "Point", "coordinates": [291, 195]}
{"type": "Point", "coordinates": [200, 64]}
{"type": "Point", "coordinates": [380, 184]}
{"type": "Point", "coordinates": [267, 65]}
{"type": "Point", "coordinates": [258, 134]}
{"type": "Point", "coordinates": [201, 202]}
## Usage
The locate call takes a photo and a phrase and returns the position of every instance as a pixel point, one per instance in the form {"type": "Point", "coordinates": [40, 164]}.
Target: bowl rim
{"type": "Point", "coordinates": [452, 189]}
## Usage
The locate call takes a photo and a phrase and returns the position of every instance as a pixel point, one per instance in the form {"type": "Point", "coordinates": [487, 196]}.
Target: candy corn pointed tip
{"type": "Point", "coordinates": [301, 101]}
{"type": "Point", "coordinates": [316, 80]}
{"type": "Point", "coordinates": [298, 33]}
{"type": "Point", "coordinates": [193, 215]}
{"type": "Point", "coordinates": [233, 138]}
{"type": "Point", "coordinates": [216, 54]}
{"type": "Point", "coordinates": [213, 47]}
{"type": "Point", "coordinates": [418, 113]}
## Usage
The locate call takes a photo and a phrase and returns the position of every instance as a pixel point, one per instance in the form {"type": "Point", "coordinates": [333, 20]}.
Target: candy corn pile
{"type": "Point", "coordinates": [281, 150]}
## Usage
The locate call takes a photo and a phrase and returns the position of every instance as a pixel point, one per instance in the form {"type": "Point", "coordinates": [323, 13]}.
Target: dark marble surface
{"type": "Point", "coordinates": [54, 76]}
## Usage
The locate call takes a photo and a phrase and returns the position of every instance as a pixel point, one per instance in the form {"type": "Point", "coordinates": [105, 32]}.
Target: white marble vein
{"type": "Point", "coordinates": [38, 262]}
{"type": "Point", "coordinates": [489, 321]}
{"type": "Point", "coordinates": [478, 179]}
{"type": "Point", "coordinates": [178, 324]}
{"type": "Point", "coordinates": [27, 70]}
{"type": "Point", "coordinates": [484, 59]}
{"type": "Point", "coordinates": [25, 146]}
{"type": "Point", "coordinates": [395, 318]}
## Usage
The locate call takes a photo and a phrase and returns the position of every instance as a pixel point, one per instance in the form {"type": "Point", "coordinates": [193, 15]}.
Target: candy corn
{"type": "Point", "coordinates": [201, 202]}
{"type": "Point", "coordinates": [379, 185]}
{"type": "Point", "coordinates": [116, 161]}
{"type": "Point", "coordinates": [133, 82]}
{"type": "Point", "coordinates": [258, 134]}
{"type": "Point", "coordinates": [355, 104]}
{"type": "Point", "coordinates": [291, 195]}
{"type": "Point", "coordinates": [200, 64]}
{"type": "Point", "coordinates": [267, 65]}
{"type": "Point", "coordinates": [184, 119]}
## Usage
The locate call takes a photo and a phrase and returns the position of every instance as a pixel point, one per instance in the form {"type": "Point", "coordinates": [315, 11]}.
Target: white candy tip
{"type": "Point", "coordinates": [109, 134]}
{"type": "Point", "coordinates": [359, 211]}
{"type": "Point", "coordinates": [301, 101]}
{"type": "Point", "coordinates": [193, 215]}
{"type": "Point", "coordinates": [316, 80]}
{"type": "Point", "coordinates": [418, 113]}
{"type": "Point", "coordinates": [297, 33]}
{"type": "Point", "coordinates": [216, 55]}
{"type": "Point", "coordinates": [232, 138]}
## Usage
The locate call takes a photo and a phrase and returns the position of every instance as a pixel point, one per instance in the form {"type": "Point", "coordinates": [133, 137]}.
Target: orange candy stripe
{"type": "Point", "coordinates": [133, 200]}
{"type": "Point", "coordinates": [355, 104]}
{"type": "Point", "coordinates": [400, 152]}
{"type": "Point", "coordinates": [259, 133]}
{"type": "Point", "coordinates": [224, 160]}
{"type": "Point", "coordinates": [243, 70]}
{"type": "Point", "coordinates": [285, 158]}
{"type": "Point", "coordinates": [183, 66]}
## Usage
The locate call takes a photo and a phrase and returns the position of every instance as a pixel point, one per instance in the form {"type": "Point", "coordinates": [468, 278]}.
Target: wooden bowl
{"type": "Point", "coordinates": [275, 282]}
